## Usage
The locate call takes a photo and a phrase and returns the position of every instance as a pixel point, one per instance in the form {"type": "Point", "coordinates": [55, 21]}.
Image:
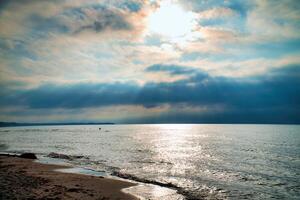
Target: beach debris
{"type": "Point", "coordinates": [28, 156]}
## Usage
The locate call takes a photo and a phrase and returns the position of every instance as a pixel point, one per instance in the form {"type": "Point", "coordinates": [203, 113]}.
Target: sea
{"type": "Point", "coordinates": [174, 161]}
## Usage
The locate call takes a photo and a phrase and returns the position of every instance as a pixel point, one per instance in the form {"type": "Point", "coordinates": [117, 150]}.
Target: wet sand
{"type": "Point", "coordinates": [24, 179]}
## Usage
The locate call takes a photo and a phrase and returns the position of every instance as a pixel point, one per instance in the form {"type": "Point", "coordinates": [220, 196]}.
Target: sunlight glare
{"type": "Point", "coordinates": [171, 20]}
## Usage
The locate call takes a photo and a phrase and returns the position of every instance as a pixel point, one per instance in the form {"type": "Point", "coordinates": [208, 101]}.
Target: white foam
{"type": "Point", "coordinates": [153, 192]}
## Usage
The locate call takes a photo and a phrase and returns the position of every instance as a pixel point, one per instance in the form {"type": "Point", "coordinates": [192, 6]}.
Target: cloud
{"type": "Point", "coordinates": [263, 96]}
{"type": "Point", "coordinates": [225, 7]}
{"type": "Point", "coordinates": [217, 13]}
{"type": "Point", "coordinates": [98, 19]}
{"type": "Point", "coordinates": [217, 34]}
{"type": "Point", "coordinates": [250, 21]}
{"type": "Point", "coordinates": [238, 60]}
{"type": "Point", "coordinates": [264, 24]}
{"type": "Point", "coordinates": [171, 69]}
{"type": "Point", "coordinates": [131, 5]}
{"type": "Point", "coordinates": [41, 18]}
{"type": "Point", "coordinates": [19, 18]}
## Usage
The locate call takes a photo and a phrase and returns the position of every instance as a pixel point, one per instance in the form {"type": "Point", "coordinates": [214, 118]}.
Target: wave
{"type": "Point", "coordinates": [188, 194]}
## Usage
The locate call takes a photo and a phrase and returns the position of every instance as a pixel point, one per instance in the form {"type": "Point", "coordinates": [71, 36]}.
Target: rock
{"type": "Point", "coordinates": [58, 155]}
{"type": "Point", "coordinates": [78, 157]}
{"type": "Point", "coordinates": [28, 156]}
{"type": "Point", "coordinates": [64, 156]}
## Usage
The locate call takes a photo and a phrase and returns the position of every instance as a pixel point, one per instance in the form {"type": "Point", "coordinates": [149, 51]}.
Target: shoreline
{"type": "Point", "coordinates": [141, 189]}
{"type": "Point", "coordinates": [22, 178]}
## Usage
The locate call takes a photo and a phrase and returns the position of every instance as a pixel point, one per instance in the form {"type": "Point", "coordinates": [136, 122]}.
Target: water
{"type": "Point", "coordinates": [203, 161]}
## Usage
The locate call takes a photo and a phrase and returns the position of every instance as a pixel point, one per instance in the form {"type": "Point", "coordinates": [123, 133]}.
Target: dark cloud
{"type": "Point", "coordinates": [274, 116]}
{"type": "Point", "coordinates": [72, 96]}
{"type": "Point", "coordinates": [272, 98]}
{"type": "Point", "coordinates": [3, 4]}
{"type": "Point", "coordinates": [131, 5]}
{"type": "Point", "coordinates": [95, 17]}
{"type": "Point", "coordinates": [172, 69]}
{"type": "Point", "coordinates": [102, 19]}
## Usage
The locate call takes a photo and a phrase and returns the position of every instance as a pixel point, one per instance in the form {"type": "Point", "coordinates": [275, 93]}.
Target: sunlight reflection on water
{"type": "Point", "coordinates": [208, 161]}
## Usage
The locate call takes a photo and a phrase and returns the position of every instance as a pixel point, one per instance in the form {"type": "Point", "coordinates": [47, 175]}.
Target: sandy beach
{"type": "Point", "coordinates": [24, 179]}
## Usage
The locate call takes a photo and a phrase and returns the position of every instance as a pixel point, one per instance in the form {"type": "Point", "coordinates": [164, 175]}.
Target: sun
{"type": "Point", "coordinates": [171, 21]}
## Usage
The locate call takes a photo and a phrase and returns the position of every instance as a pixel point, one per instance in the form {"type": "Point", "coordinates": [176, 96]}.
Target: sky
{"type": "Point", "coordinates": [155, 61]}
